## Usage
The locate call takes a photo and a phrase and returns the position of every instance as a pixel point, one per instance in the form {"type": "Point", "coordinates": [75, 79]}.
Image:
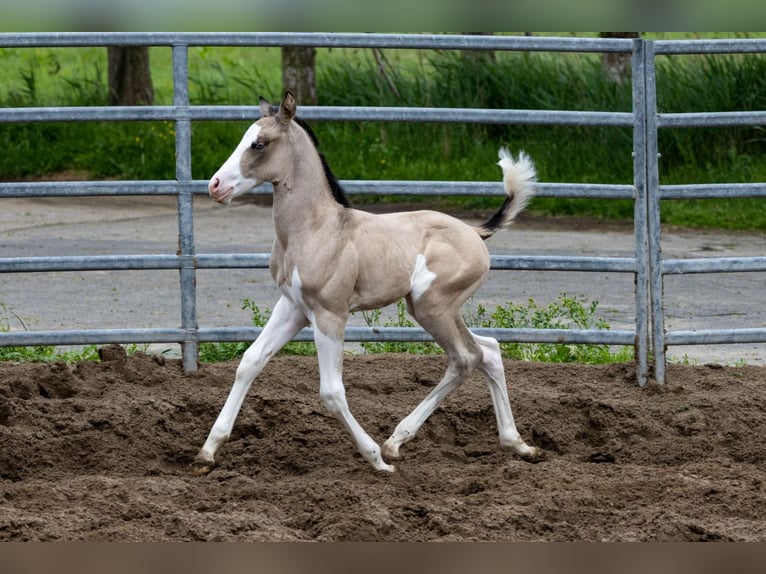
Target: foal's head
{"type": "Point", "coordinates": [261, 155]}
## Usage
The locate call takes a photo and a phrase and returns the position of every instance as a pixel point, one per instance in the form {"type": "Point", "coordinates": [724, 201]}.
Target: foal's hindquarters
{"type": "Point", "coordinates": [458, 262]}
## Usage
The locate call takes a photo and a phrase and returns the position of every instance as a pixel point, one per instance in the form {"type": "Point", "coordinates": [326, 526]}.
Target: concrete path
{"type": "Point", "coordinates": [141, 225]}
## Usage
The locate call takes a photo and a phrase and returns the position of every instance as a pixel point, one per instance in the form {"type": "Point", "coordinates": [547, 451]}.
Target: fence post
{"type": "Point", "coordinates": [187, 271]}
{"type": "Point", "coordinates": [659, 340]}
{"type": "Point", "coordinates": [640, 206]}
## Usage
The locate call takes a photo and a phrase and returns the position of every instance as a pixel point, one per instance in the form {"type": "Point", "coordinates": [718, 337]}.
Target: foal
{"type": "Point", "coordinates": [329, 259]}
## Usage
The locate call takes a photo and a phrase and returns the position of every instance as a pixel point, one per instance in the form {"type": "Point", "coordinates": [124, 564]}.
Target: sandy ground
{"type": "Point", "coordinates": [102, 452]}
{"type": "Point", "coordinates": [132, 225]}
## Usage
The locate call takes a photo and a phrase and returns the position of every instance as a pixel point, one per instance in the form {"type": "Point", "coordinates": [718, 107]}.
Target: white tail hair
{"type": "Point", "coordinates": [519, 178]}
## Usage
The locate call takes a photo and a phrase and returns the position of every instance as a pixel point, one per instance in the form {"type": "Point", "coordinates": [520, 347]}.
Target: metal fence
{"type": "Point", "coordinates": [660, 267]}
{"type": "Point", "coordinates": [648, 337]}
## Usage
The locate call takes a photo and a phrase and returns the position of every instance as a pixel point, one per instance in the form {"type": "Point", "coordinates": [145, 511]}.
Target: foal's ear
{"type": "Point", "coordinates": [267, 110]}
{"type": "Point", "coordinates": [287, 108]}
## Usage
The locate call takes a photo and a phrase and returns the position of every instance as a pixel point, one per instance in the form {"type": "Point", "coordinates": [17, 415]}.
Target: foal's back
{"type": "Point", "coordinates": [395, 250]}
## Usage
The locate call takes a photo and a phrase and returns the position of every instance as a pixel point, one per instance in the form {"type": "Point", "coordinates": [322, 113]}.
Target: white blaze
{"type": "Point", "coordinates": [230, 173]}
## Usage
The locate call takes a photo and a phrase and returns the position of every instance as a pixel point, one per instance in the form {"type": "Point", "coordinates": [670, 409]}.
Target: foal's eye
{"type": "Point", "coordinates": [258, 146]}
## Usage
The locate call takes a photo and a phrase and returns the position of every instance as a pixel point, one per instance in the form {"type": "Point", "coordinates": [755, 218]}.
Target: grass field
{"type": "Point", "coordinates": [370, 150]}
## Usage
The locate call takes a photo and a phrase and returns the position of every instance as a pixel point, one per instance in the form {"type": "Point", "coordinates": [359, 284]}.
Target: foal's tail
{"type": "Point", "coordinates": [519, 177]}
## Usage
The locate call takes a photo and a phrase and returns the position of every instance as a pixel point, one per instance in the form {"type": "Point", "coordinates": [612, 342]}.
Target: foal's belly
{"type": "Point", "coordinates": [375, 290]}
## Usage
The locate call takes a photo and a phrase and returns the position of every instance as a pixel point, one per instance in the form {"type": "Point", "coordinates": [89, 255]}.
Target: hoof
{"type": "Point", "coordinates": [202, 467]}
{"type": "Point", "coordinates": [390, 451]}
{"type": "Point", "coordinates": [375, 458]}
{"type": "Point", "coordinates": [533, 454]}
{"type": "Point", "coordinates": [523, 450]}
{"type": "Point", "coordinates": [388, 468]}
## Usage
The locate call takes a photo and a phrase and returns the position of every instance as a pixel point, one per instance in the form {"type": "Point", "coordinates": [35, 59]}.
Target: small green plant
{"type": "Point", "coordinates": [565, 313]}
{"type": "Point", "coordinates": [216, 352]}
{"type": "Point", "coordinates": [39, 353]}
{"type": "Point", "coordinates": [19, 353]}
{"type": "Point", "coordinates": [372, 319]}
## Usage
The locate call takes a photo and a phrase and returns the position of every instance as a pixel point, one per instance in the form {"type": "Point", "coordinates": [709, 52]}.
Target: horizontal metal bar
{"type": "Point", "coordinates": [317, 40]}
{"type": "Point", "coordinates": [711, 119]}
{"type": "Point", "coordinates": [713, 265]}
{"type": "Point", "coordinates": [484, 189]}
{"type": "Point", "coordinates": [741, 46]}
{"type": "Point", "coordinates": [91, 337]}
{"type": "Point", "coordinates": [561, 263]}
{"type": "Point", "coordinates": [416, 334]}
{"type": "Point", "coordinates": [133, 262]}
{"type": "Point", "coordinates": [232, 260]}
{"type": "Point", "coordinates": [352, 334]}
{"type": "Point", "coordinates": [92, 114]}
{"type": "Point", "coordinates": [261, 261]}
{"type": "Point", "coordinates": [379, 114]}
{"type": "Point", "coordinates": [716, 336]}
{"type": "Point", "coordinates": [467, 115]}
{"type": "Point", "coordinates": [91, 263]}
{"type": "Point", "coordinates": [421, 114]}
{"type": "Point", "coordinates": [100, 188]}
{"type": "Point", "coordinates": [316, 113]}
{"type": "Point", "coordinates": [352, 187]}
{"type": "Point", "coordinates": [713, 191]}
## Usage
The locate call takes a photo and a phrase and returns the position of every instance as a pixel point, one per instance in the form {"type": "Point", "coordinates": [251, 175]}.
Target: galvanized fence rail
{"type": "Point", "coordinates": [646, 265]}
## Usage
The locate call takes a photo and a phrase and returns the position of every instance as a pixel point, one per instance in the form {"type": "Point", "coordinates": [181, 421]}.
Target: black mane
{"type": "Point", "coordinates": [337, 190]}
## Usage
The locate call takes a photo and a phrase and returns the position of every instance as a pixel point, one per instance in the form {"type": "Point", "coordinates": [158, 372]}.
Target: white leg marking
{"type": "Point", "coordinates": [285, 322]}
{"type": "Point", "coordinates": [333, 395]}
{"type": "Point", "coordinates": [421, 278]}
{"type": "Point", "coordinates": [405, 431]}
{"type": "Point", "coordinates": [494, 372]}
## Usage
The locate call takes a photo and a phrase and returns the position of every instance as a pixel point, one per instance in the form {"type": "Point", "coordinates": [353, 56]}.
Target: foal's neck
{"type": "Point", "coordinates": [303, 198]}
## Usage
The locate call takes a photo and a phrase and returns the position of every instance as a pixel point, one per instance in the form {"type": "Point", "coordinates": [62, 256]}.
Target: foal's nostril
{"type": "Point", "coordinates": [214, 183]}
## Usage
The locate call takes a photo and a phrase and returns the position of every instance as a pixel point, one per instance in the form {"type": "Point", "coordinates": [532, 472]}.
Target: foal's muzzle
{"type": "Point", "coordinates": [217, 192]}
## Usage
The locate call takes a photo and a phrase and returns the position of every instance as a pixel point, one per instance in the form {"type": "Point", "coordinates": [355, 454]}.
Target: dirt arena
{"type": "Point", "coordinates": [102, 452]}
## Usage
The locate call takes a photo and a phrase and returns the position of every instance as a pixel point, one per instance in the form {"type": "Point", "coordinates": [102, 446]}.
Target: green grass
{"type": "Point", "coordinates": [216, 352]}
{"type": "Point", "coordinates": [48, 354]}
{"type": "Point", "coordinates": [373, 150]}
{"type": "Point", "coordinates": [374, 319]}
{"type": "Point", "coordinates": [567, 312]}
{"type": "Point", "coordinates": [38, 353]}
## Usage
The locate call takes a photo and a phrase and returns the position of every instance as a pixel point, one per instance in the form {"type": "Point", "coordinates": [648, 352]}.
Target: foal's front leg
{"type": "Point", "coordinates": [333, 395]}
{"type": "Point", "coordinates": [285, 322]}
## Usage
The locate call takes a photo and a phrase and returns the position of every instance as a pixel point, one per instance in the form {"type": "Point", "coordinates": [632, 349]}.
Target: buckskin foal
{"type": "Point", "coordinates": [329, 259]}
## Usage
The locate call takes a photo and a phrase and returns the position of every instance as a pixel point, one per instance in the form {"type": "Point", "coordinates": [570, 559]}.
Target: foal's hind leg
{"type": "Point", "coordinates": [463, 354]}
{"type": "Point", "coordinates": [492, 368]}
{"type": "Point", "coordinates": [285, 322]}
